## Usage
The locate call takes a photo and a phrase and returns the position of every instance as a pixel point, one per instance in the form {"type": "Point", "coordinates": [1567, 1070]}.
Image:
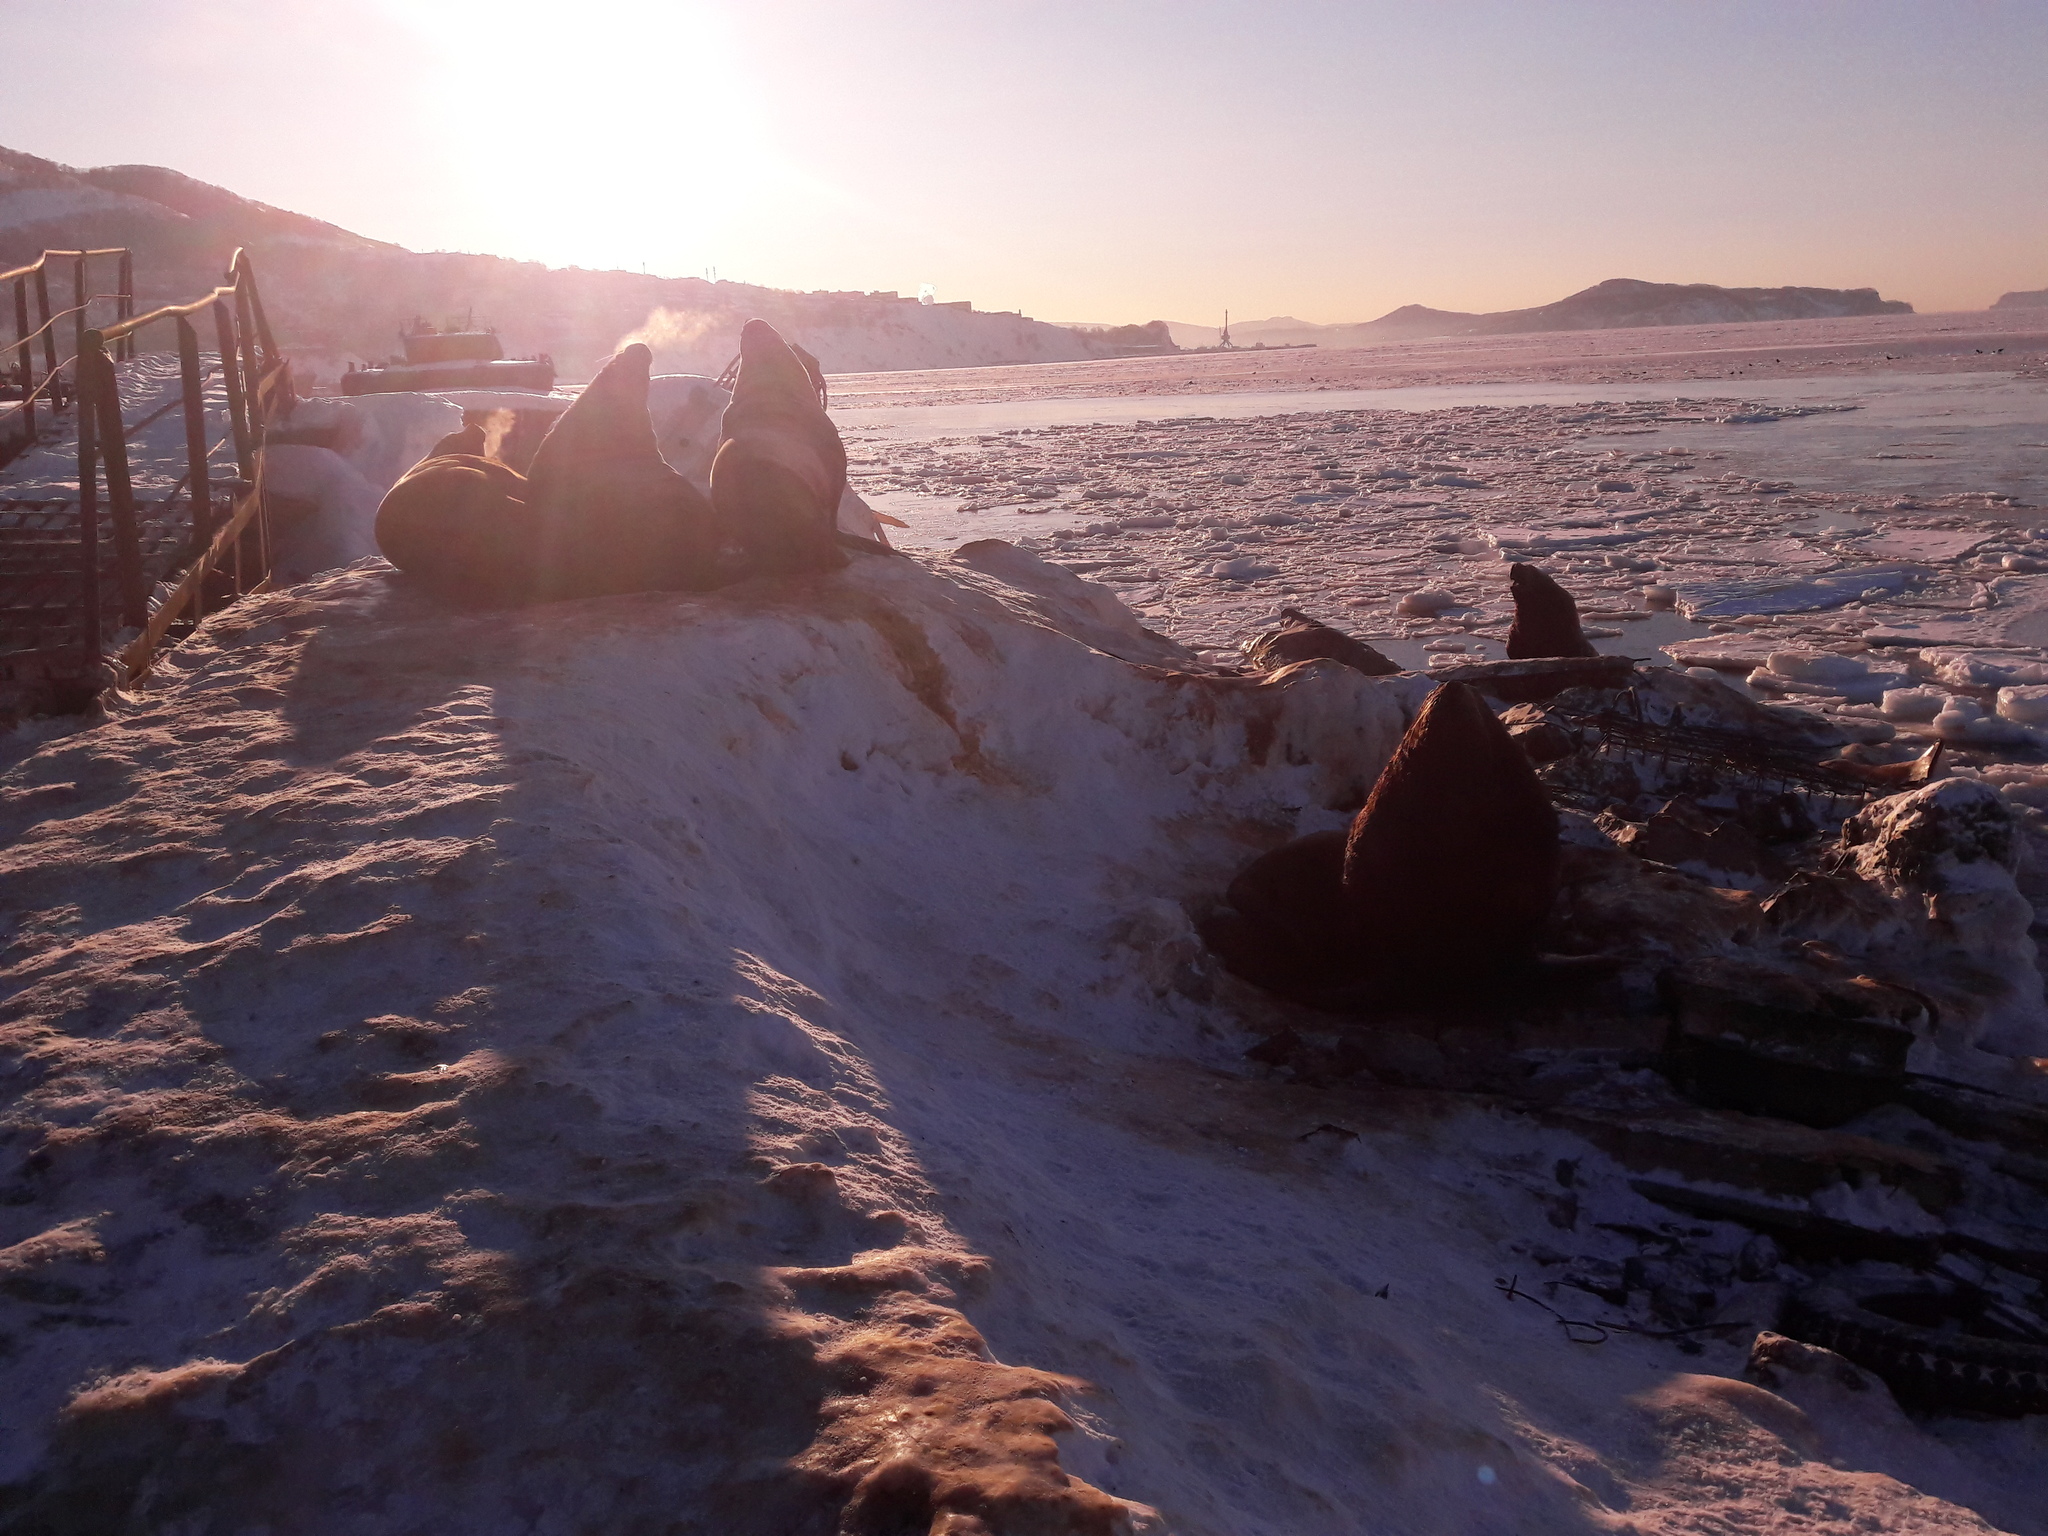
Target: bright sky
{"type": "Point", "coordinates": [1102, 160]}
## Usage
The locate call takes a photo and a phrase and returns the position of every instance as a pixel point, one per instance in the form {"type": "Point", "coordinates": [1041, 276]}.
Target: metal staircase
{"type": "Point", "coordinates": [117, 530]}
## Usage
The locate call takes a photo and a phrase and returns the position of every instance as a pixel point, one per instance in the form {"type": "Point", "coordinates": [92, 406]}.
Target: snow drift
{"type": "Point", "coordinates": [741, 1063]}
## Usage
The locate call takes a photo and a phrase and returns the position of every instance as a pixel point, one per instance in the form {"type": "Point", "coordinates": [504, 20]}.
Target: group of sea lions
{"type": "Point", "coordinates": [1450, 869]}
{"type": "Point", "coordinates": [599, 511]}
{"type": "Point", "coordinates": [1446, 877]}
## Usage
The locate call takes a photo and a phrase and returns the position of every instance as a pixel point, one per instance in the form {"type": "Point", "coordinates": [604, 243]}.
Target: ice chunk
{"type": "Point", "coordinates": [1427, 603]}
{"type": "Point", "coordinates": [2027, 704]}
{"type": "Point", "coordinates": [1817, 666]}
{"type": "Point", "coordinates": [1985, 669]}
{"type": "Point", "coordinates": [1795, 594]}
{"type": "Point", "coordinates": [1244, 568]}
{"type": "Point", "coordinates": [1927, 543]}
{"type": "Point", "coordinates": [1913, 703]}
{"type": "Point", "coordinates": [2022, 783]}
{"type": "Point", "coordinates": [1956, 717]}
{"type": "Point", "coordinates": [1824, 672]}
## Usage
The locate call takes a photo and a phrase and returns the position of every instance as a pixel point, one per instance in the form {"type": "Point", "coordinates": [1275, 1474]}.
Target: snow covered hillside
{"type": "Point", "coordinates": [334, 296]}
{"type": "Point", "coordinates": [743, 1064]}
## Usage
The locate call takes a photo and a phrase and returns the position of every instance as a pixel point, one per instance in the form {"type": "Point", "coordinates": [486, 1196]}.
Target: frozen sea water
{"type": "Point", "coordinates": [1910, 434]}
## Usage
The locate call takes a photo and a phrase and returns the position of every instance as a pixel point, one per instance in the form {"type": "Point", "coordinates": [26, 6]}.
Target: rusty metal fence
{"type": "Point", "coordinates": [200, 546]}
{"type": "Point", "coordinates": [228, 548]}
{"type": "Point", "coordinates": [23, 389]}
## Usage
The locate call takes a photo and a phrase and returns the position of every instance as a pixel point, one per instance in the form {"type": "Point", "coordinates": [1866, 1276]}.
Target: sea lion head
{"type": "Point", "coordinates": [468, 441]}
{"type": "Point", "coordinates": [1546, 618]}
{"type": "Point", "coordinates": [605, 430]}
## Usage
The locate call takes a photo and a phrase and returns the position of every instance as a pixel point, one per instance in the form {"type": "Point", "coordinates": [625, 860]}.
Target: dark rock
{"type": "Point", "coordinates": [1790, 1041]}
{"type": "Point", "coordinates": [1774, 817]}
{"type": "Point", "coordinates": [1682, 833]}
{"type": "Point", "coordinates": [1542, 739]}
{"type": "Point", "coordinates": [1759, 1259]}
{"type": "Point", "coordinates": [1959, 819]}
{"type": "Point", "coordinates": [1540, 678]}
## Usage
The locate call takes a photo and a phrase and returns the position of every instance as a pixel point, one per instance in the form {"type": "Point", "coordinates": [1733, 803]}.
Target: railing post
{"type": "Point", "coordinates": [252, 367]}
{"type": "Point", "coordinates": [78, 306]}
{"type": "Point", "coordinates": [26, 353]}
{"type": "Point", "coordinates": [88, 512]}
{"type": "Point", "coordinates": [120, 489]}
{"type": "Point", "coordinates": [197, 483]}
{"type": "Point", "coordinates": [238, 404]}
{"type": "Point", "coordinates": [43, 319]}
{"type": "Point", "coordinates": [126, 307]}
{"type": "Point", "coordinates": [244, 276]}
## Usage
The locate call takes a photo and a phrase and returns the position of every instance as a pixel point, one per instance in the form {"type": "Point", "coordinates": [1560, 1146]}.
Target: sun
{"type": "Point", "coordinates": [608, 133]}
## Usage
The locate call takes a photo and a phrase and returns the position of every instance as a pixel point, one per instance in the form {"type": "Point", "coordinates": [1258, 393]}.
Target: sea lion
{"type": "Point", "coordinates": [1301, 638]}
{"type": "Point", "coordinates": [599, 513]}
{"type": "Point", "coordinates": [1546, 618]}
{"type": "Point", "coordinates": [780, 471]}
{"type": "Point", "coordinates": [1442, 883]}
{"type": "Point", "coordinates": [611, 514]}
{"type": "Point", "coordinates": [458, 523]}
{"type": "Point", "coordinates": [1451, 866]}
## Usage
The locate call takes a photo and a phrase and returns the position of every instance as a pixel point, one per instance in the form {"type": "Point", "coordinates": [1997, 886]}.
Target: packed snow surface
{"type": "Point", "coordinates": [743, 1064]}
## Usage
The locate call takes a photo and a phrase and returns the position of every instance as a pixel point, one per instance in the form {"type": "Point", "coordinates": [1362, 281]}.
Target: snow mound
{"type": "Point", "coordinates": [507, 1008]}
{"type": "Point", "coordinates": [742, 1063]}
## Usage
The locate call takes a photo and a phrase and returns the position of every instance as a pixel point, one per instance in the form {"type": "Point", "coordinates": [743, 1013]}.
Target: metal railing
{"type": "Point", "coordinates": [257, 382]}
{"type": "Point", "coordinates": [35, 277]}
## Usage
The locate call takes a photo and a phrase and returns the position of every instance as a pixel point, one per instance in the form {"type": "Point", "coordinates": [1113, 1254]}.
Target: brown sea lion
{"type": "Point", "coordinates": [1442, 883]}
{"type": "Point", "coordinates": [459, 524]}
{"type": "Point", "coordinates": [1301, 638]}
{"type": "Point", "coordinates": [1546, 618]}
{"type": "Point", "coordinates": [781, 468]}
{"type": "Point", "coordinates": [1283, 924]}
{"type": "Point", "coordinates": [1452, 864]}
{"type": "Point", "coordinates": [611, 514]}
{"type": "Point", "coordinates": [600, 513]}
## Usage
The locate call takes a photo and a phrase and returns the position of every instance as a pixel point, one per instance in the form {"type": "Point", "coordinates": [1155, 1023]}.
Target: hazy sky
{"type": "Point", "coordinates": [1102, 160]}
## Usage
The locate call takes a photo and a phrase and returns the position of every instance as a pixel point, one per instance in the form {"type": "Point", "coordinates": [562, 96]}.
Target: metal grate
{"type": "Point", "coordinates": [1617, 728]}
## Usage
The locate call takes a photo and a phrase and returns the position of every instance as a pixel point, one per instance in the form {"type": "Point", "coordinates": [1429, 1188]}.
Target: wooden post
{"type": "Point", "coordinates": [120, 489]}
{"type": "Point", "coordinates": [126, 307]}
{"type": "Point", "coordinates": [27, 356]}
{"type": "Point", "coordinates": [88, 513]}
{"type": "Point", "coordinates": [238, 402]}
{"type": "Point", "coordinates": [78, 308]}
{"type": "Point", "coordinates": [43, 318]}
{"type": "Point", "coordinates": [197, 484]}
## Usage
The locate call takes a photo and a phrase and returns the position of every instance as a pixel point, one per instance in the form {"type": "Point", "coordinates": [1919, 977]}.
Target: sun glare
{"type": "Point", "coordinates": [616, 133]}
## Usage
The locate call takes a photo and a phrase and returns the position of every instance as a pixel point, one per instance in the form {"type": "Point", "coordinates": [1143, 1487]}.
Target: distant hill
{"type": "Point", "coordinates": [1617, 304]}
{"type": "Point", "coordinates": [1622, 302]}
{"type": "Point", "coordinates": [2032, 298]}
{"type": "Point", "coordinates": [333, 295]}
